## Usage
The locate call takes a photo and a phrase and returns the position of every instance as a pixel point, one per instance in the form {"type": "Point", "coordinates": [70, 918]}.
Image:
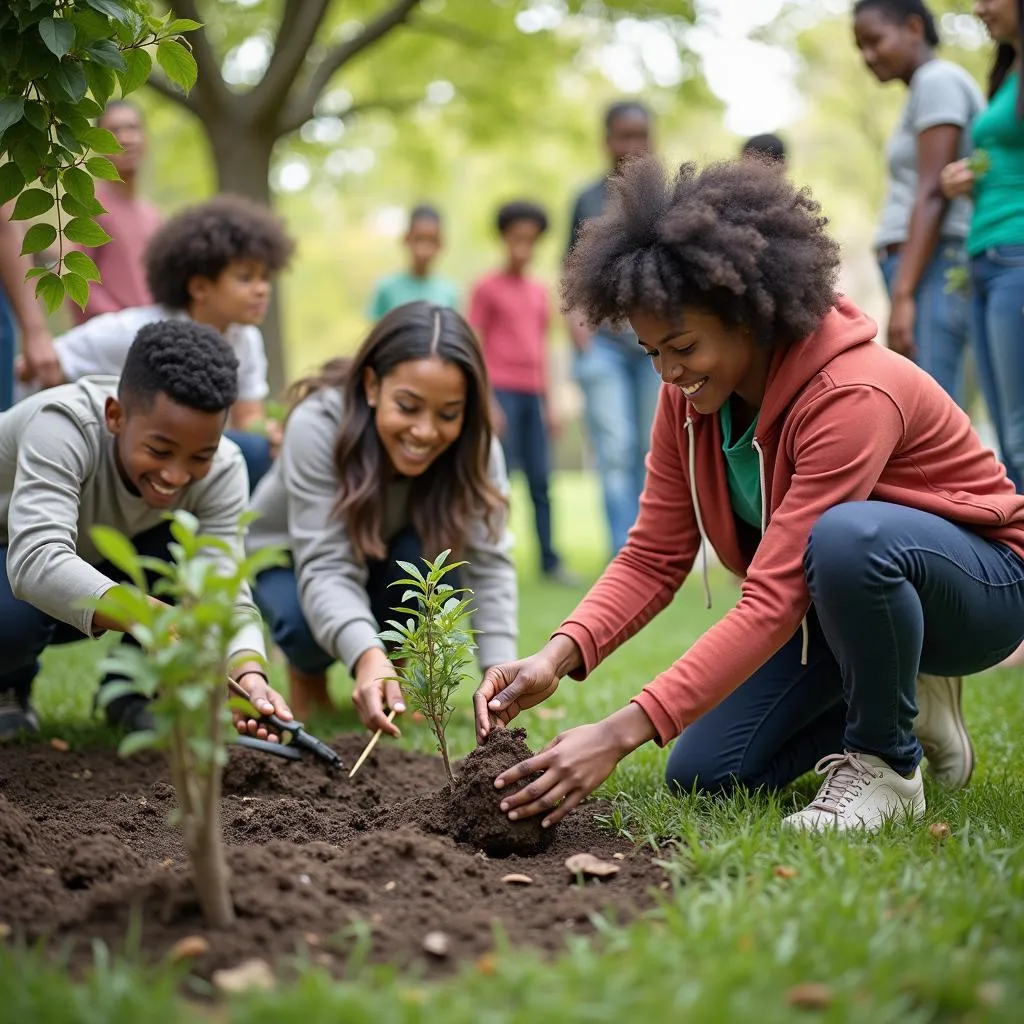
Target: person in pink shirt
{"type": "Point", "coordinates": [130, 221]}
{"type": "Point", "coordinates": [510, 313]}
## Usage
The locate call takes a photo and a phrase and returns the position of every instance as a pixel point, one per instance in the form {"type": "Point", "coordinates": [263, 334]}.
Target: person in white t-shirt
{"type": "Point", "coordinates": [214, 264]}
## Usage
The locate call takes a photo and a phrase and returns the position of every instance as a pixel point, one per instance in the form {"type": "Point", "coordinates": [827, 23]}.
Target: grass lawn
{"type": "Point", "coordinates": [899, 927]}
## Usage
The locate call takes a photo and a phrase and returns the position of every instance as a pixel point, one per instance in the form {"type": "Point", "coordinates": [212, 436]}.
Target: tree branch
{"type": "Point", "coordinates": [210, 81]}
{"type": "Point", "coordinates": [299, 24]}
{"type": "Point", "coordinates": [158, 83]}
{"type": "Point", "coordinates": [338, 56]}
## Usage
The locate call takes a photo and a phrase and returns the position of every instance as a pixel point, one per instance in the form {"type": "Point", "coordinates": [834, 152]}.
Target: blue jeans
{"type": "Point", "coordinates": [895, 591]}
{"type": "Point", "coordinates": [25, 631]}
{"type": "Point", "coordinates": [8, 350]}
{"type": "Point", "coordinates": [277, 595]}
{"type": "Point", "coordinates": [256, 452]}
{"type": "Point", "coordinates": [942, 328]}
{"type": "Point", "coordinates": [526, 448]}
{"type": "Point", "coordinates": [620, 392]}
{"type": "Point", "coordinates": [997, 276]}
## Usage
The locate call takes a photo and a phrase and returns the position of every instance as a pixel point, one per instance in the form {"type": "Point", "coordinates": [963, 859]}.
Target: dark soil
{"type": "Point", "coordinates": [318, 860]}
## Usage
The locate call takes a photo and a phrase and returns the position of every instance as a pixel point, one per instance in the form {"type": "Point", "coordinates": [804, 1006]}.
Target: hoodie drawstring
{"type": "Point", "coordinates": [692, 452]}
{"type": "Point", "coordinates": [804, 631]}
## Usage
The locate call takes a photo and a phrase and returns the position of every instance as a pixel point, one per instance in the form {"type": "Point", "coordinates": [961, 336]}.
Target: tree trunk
{"type": "Point", "coordinates": [242, 156]}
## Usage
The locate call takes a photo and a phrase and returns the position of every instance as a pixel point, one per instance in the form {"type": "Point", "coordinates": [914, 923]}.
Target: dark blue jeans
{"type": "Point", "coordinates": [25, 631]}
{"type": "Point", "coordinates": [8, 350]}
{"type": "Point", "coordinates": [997, 277]}
{"type": "Point", "coordinates": [894, 592]}
{"type": "Point", "coordinates": [526, 448]}
{"type": "Point", "coordinates": [256, 452]}
{"type": "Point", "coordinates": [277, 594]}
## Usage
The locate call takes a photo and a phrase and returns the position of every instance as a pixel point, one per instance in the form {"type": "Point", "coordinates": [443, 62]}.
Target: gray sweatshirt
{"type": "Point", "coordinates": [296, 502]}
{"type": "Point", "coordinates": [58, 479]}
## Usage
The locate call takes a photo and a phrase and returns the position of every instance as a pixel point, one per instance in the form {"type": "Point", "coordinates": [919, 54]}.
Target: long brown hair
{"type": "Point", "coordinates": [1006, 56]}
{"type": "Point", "coordinates": [455, 488]}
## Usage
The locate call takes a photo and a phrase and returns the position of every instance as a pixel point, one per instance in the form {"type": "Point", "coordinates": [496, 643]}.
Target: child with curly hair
{"type": "Point", "coordinates": [214, 264]}
{"type": "Point", "coordinates": [882, 546]}
{"type": "Point", "coordinates": [118, 453]}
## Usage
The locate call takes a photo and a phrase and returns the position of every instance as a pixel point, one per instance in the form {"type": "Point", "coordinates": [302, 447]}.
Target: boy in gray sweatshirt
{"type": "Point", "coordinates": [118, 453]}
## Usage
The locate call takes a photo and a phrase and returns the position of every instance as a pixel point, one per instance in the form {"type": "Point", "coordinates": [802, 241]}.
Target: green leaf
{"type": "Point", "coordinates": [101, 81]}
{"type": "Point", "coordinates": [58, 35]}
{"type": "Point", "coordinates": [35, 114]}
{"type": "Point", "coordinates": [101, 167]}
{"type": "Point", "coordinates": [99, 140]}
{"type": "Point", "coordinates": [180, 25]}
{"type": "Point", "coordinates": [136, 741]}
{"type": "Point", "coordinates": [49, 288]}
{"type": "Point", "coordinates": [85, 231]}
{"type": "Point", "coordinates": [106, 54]}
{"type": "Point", "coordinates": [12, 181]}
{"type": "Point", "coordinates": [69, 78]}
{"type": "Point", "coordinates": [138, 65]}
{"type": "Point", "coordinates": [78, 183]}
{"type": "Point", "coordinates": [82, 265]}
{"type": "Point", "coordinates": [179, 65]}
{"type": "Point", "coordinates": [117, 549]}
{"type": "Point", "coordinates": [74, 208]}
{"type": "Point", "coordinates": [77, 289]}
{"type": "Point", "coordinates": [33, 202]}
{"type": "Point", "coordinates": [112, 9]}
{"type": "Point", "coordinates": [37, 238]}
{"type": "Point", "coordinates": [11, 110]}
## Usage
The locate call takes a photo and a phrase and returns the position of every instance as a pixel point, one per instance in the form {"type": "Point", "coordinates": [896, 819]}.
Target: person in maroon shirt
{"type": "Point", "coordinates": [882, 546]}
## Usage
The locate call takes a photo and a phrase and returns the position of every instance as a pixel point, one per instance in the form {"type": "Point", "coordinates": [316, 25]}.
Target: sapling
{"type": "Point", "coordinates": [433, 647]}
{"type": "Point", "coordinates": [185, 633]}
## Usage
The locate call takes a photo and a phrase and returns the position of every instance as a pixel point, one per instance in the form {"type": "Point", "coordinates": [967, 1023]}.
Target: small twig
{"type": "Point", "coordinates": [369, 746]}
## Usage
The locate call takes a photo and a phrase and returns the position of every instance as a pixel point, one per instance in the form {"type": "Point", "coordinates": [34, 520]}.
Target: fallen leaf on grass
{"type": "Point", "coordinates": [515, 879]}
{"type": "Point", "coordinates": [486, 965]}
{"type": "Point", "coordinates": [249, 976]}
{"type": "Point", "coordinates": [810, 996]}
{"type": "Point", "coordinates": [940, 830]}
{"type": "Point", "coordinates": [436, 944]}
{"type": "Point", "coordinates": [783, 871]}
{"type": "Point", "coordinates": [58, 744]}
{"type": "Point", "coordinates": [188, 948]}
{"type": "Point", "coordinates": [588, 864]}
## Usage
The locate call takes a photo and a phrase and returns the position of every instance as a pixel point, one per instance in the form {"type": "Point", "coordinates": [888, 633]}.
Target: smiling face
{"type": "Point", "coordinates": [1000, 18]}
{"type": "Point", "coordinates": [419, 409]}
{"type": "Point", "coordinates": [705, 358]}
{"type": "Point", "coordinates": [424, 243]}
{"type": "Point", "coordinates": [240, 294]}
{"type": "Point", "coordinates": [890, 50]}
{"type": "Point", "coordinates": [162, 450]}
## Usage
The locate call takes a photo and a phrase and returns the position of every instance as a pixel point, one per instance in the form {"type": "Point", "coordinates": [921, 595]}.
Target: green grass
{"type": "Point", "coordinates": [901, 926]}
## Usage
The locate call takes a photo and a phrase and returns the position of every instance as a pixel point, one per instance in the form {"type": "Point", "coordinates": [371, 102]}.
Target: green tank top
{"type": "Point", "coordinates": [743, 469]}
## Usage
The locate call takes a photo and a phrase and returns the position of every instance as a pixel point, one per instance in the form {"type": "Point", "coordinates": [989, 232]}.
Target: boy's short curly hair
{"type": "Point", "coordinates": [202, 240]}
{"type": "Point", "coordinates": [190, 363]}
{"type": "Point", "coordinates": [736, 239]}
{"type": "Point", "coordinates": [521, 209]}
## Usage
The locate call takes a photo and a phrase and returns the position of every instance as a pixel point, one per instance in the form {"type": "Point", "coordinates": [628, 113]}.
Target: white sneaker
{"type": "Point", "coordinates": [859, 791]}
{"type": "Point", "coordinates": [940, 728]}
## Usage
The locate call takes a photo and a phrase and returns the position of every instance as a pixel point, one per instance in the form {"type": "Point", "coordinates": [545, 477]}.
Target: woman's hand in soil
{"type": "Point", "coordinates": [573, 765]}
{"type": "Point", "coordinates": [265, 699]}
{"type": "Point", "coordinates": [376, 688]}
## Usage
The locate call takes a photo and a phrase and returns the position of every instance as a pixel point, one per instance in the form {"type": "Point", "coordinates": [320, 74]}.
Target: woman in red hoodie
{"type": "Point", "coordinates": [882, 547]}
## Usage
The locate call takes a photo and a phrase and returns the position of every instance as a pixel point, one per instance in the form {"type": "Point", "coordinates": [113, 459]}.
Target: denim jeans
{"type": "Point", "coordinates": [256, 452]}
{"type": "Point", "coordinates": [620, 392]}
{"type": "Point", "coordinates": [25, 631]}
{"type": "Point", "coordinates": [277, 595]}
{"type": "Point", "coordinates": [997, 276]}
{"type": "Point", "coordinates": [526, 448]}
{"type": "Point", "coordinates": [8, 350]}
{"type": "Point", "coordinates": [942, 328]}
{"type": "Point", "coordinates": [895, 591]}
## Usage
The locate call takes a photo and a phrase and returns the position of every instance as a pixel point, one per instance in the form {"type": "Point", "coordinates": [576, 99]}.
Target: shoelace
{"type": "Point", "coordinates": [9, 703]}
{"type": "Point", "coordinates": [844, 778]}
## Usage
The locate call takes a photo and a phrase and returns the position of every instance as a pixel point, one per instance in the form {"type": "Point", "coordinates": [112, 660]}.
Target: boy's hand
{"type": "Point", "coordinates": [266, 700]}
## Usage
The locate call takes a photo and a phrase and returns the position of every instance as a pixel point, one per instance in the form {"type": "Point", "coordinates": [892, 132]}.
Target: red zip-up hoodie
{"type": "Point", "coordinates": [843, 419]}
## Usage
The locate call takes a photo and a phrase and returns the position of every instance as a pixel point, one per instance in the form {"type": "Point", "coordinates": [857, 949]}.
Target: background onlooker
{"type": "Point", "coordinates": [424, 241]}
{"type": "Point", "coordinates": [620, 388]}
{"type": "Point", "coordinates": [767, 146]}
{"type": "Point", "coordinates": [130, 221]}
{"type": "Point", "coordinates": [510, 312]}
{"type": "Point", "coordinates": [920, 235]}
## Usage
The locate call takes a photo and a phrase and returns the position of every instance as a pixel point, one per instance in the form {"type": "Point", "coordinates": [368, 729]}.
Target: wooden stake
{"type": "Point", "coordinates": [369, 746]}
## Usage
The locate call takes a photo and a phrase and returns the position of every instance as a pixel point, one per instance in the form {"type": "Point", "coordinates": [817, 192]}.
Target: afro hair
{"type": "Point", "coordinates": [202, 240]}
{"type": "Point", "coordinates": [190, 363]}
{"type": "Point", "coordinates": [736, 239]}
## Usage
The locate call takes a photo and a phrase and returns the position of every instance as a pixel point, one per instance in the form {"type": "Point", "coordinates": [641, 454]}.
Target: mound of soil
{"type": "Point", "coordinates": [319, 861]}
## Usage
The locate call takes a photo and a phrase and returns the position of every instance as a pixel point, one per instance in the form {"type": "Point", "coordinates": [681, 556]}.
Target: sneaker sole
{"type": "Point", "coordinates": [955, 687]}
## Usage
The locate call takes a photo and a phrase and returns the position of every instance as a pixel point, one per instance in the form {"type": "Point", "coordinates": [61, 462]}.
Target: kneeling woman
{"type": "Point", "coordinates": [878, 539]}
{"type": "Point", "coordinates": [387, 456]}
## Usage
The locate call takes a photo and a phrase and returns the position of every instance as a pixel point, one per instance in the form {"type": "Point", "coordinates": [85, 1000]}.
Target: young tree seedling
{"type": "Point", "coordinates": [184, 632]}
{"type": "Point", "coordinates": [433, 647]}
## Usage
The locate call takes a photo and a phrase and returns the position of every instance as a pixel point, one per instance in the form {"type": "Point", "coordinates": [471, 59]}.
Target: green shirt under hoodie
{"type": "Point", "coordinates": [743, 469]}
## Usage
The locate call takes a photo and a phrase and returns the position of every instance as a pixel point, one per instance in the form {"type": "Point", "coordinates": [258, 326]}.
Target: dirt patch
{"type": "Point", "coordinates": [318, 861]}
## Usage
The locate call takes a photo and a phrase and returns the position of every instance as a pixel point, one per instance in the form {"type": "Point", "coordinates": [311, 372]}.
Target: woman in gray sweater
{"type": "Point", "coordinates": [389, 455]}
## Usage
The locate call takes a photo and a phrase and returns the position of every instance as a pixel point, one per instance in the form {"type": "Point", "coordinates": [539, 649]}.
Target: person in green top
{"type": "Point", "coordinates": [424, 240]}
{"type": "Point", "coordinates": [995, 242]}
